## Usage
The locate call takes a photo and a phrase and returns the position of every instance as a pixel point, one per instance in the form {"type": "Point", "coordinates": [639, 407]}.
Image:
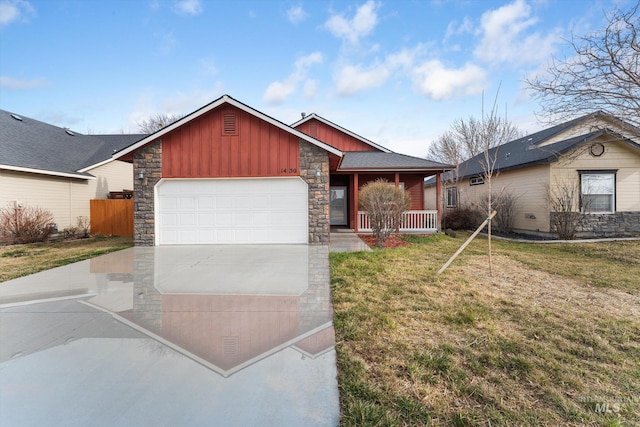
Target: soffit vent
{"type": "Point", "coordinates": [229, 124]}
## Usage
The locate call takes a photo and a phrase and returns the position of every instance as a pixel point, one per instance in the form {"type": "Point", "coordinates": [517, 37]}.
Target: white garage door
{"type": "Point", "coordinates": [242, 211]}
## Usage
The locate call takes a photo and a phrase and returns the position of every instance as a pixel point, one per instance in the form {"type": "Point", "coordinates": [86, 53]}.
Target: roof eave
{"type": "Point", "coordinates": [47, 172]}
{"type": "Point", "coordinates": [391, 169]}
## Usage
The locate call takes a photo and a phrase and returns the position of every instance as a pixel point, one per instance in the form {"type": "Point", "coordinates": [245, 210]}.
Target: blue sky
{"type": "Point", "coordinates": [396, 72]}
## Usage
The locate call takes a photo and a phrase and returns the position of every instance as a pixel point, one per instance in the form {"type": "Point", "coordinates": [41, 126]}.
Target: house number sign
{"type": "Point", "coordinates": [290, 170]}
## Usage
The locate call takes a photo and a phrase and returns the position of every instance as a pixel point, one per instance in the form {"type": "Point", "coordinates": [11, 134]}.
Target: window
{"type": "Point", "coordinates": [452, 197]}
{"type": "Point", "coordinates": [476, 181]}
{"type": "Point", "coordinates": [598, 191]}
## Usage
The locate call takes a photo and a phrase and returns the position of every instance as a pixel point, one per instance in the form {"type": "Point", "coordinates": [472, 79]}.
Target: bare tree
{"type": "Point", "coordinates": [492, 132]}
{"type": "Point", "coordinates": [466, 139]}
{"type": "Point", "coordinates": [157, 122]}
{"type": "Point", "coordinates": [601, 74]}
{"type": "Point", "coordinates": [478, 140]}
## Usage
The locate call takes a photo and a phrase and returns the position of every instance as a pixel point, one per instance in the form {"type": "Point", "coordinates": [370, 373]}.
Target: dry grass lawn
{"type": "Point", "coordinates": [551, 338]}
{"type": "Point", "coordinates": [21, 260]}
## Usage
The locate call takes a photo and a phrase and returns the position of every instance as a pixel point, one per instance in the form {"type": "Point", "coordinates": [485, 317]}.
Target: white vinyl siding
{"type": "Point", "coordinates": [66, 198]}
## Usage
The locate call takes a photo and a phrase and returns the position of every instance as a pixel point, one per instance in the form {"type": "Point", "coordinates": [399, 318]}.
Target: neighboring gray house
{"type": "Point", "coordinates": [58, 169]}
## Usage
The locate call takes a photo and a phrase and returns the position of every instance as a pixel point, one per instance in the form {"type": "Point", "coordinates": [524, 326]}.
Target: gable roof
{"type": "Point", "coordinates": [224, 99]}
{"type": "Point", "coordinates": [29, 145]}
{"type": "Point", "coordinates": [528, 150]}
{"type": "Point", "coordinates": [341, 129]}
{"type": "Point", "coordinates": [377, 161]}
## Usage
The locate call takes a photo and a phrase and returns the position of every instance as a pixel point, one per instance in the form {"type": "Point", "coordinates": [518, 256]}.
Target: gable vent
{"type": "Point", "coordinates": [229, 124]}
{"type": "Point", "coordinates": [17, 117]}
{"type": "Point", "coordinates": [230, 347]}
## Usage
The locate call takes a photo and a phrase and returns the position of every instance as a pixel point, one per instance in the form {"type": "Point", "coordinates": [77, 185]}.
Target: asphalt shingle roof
{"type": "Point", "coordinates": [32, 144]}
{"type": "Point", "coordinates": [374, 160]}
{"type": "Point", "coordinates": [526, 151]}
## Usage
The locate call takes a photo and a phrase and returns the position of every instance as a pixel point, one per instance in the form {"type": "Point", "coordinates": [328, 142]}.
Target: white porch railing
{"type": "Point", "coordinates": [412, 222]}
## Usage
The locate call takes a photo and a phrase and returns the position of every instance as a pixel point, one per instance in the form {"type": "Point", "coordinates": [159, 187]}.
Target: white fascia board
{"type": "Point", "coordinates": [104, 162]}
{"type": "Point", "coordinates": [46, 172]}
{"type": "Point", "coordinates": [225, 99]}
{"type": "Point", "coordinates": [341, 129]}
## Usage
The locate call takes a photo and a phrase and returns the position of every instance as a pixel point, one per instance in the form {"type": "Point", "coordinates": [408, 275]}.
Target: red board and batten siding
{"type": "Point", "coordinates": [413, 183]}
{"type": "Point", "coordinates": [333, 137]}
{"type": "Point", "coordinates": [229, 143]}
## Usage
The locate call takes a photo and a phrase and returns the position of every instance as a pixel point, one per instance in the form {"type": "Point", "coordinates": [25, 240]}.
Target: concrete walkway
{"type": "Point", "coordinates": [346, 241]}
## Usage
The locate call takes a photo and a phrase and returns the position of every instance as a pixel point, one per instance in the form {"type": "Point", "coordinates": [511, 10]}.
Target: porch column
{"type": "Point", "coordinates": [398, 186]}
{"type": "Point", "coordinates": [438, 200]}
{"type": "Point", "coordinates": [355, 200]}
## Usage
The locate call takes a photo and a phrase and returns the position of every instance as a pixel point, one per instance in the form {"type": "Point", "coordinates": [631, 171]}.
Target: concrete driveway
{"type": "Point", "coordinates": [189, 335]}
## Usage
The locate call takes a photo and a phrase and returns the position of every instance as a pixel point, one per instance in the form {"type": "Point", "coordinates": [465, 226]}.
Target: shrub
{"type": "Point", "coordinates": [26, 224]}
{"type": "Point", "coordinates": [83, 226]}
{"type": "Point", "coordinates": [385, 204]}
{"type": "Point", "coordinates": [462, 218]}
{"type": "Point", "coordinates": [506, 206]}
{"type": "Point", "coordinates": [564, 201]}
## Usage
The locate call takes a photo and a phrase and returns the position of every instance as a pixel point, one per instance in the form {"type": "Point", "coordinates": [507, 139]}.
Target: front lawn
{"type": "Point", "coordinates": [552, 338]}
{"type": "Point", "coordinates": [21, 260]}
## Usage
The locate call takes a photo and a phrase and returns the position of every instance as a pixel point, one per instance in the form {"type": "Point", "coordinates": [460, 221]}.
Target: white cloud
{"type": "Point", "coordinates": [188, 7]}
{"type": "Point", "coordinates": [278, 91]}
{"type": "Point", "coordinates": [436, 81]}
{"type": "Point", "coordinates": [14, 10]}
{"type": "Point", "coordinates": [505, 39]}
{"type": "Point", "coordinates": [351, 30]}
{"type": "Point", "coordinates": [16, 84]}
{"type": "Point", "coordinates": [351, 79]}
{"type": "Point", "coordinates": [455, 29]}
{"type": "Point", "coordinates": [296, 14]}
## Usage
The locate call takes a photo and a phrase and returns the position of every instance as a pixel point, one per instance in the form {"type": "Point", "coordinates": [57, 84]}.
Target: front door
{"type": "Point", "coordinates": [338, 204]}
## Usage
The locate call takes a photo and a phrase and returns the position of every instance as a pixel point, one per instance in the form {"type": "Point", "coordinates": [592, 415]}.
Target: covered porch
{"type": "Point", "coordinates": [356, 169]}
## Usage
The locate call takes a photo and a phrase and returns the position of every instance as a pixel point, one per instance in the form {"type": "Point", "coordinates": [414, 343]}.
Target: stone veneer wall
{"type": "Point", "coordinates": [147, 160]}
{"type": "Point", "coordinates": [617, 224]}
{"type": "Point", "coordinates": [312, 159]}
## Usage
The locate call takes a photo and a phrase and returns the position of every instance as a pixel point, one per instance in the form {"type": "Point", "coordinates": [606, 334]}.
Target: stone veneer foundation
{"type": "Point", "coordinates": [148, 160]}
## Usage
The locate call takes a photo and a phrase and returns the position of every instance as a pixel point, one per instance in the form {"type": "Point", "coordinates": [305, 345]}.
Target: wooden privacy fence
{"type": "Point", "coordinates": [112, 217]}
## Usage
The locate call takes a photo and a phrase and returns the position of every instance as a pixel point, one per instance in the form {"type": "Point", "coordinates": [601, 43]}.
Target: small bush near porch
{"type": "Point", "coordinates": [384, 203]}
{"type": "Point", "coordinates": [552, 338]}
